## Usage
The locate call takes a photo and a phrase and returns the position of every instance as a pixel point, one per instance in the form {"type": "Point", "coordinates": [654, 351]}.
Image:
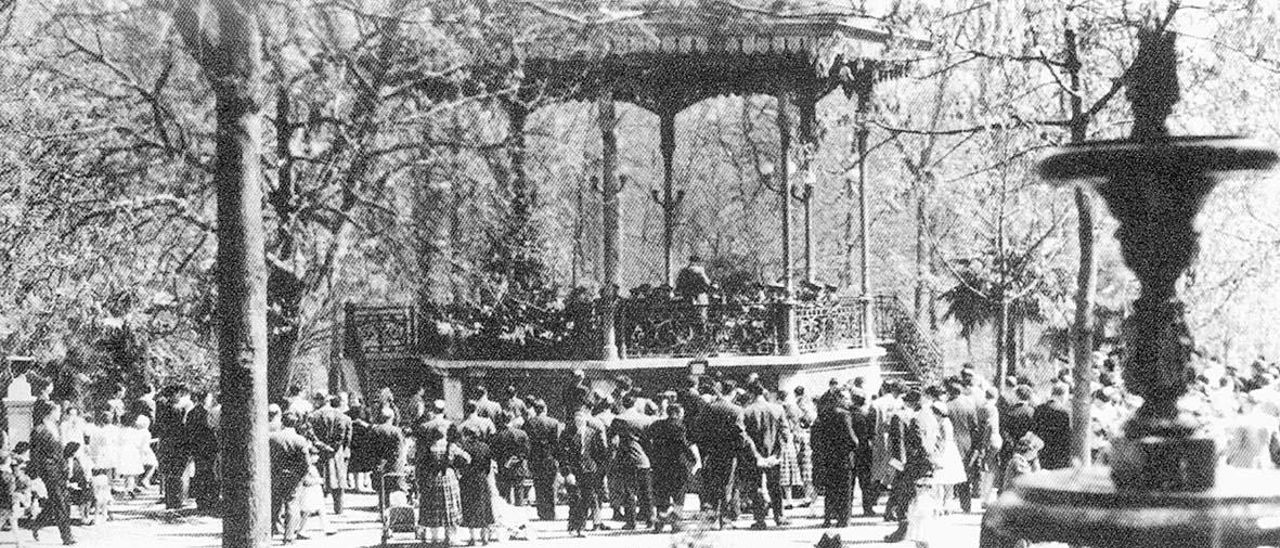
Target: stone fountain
{"type": "Point", "coordinates": [1165, 489]}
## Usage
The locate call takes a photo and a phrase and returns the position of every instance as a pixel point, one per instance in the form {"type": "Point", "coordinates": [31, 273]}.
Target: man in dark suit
{"type": "Point", "coordinates": [922, 440]}
{"type": "Point", "coordinates": [1016, 420]}
{"type": "Point", "coordinates": [721, 437]}
{"type": "Point", "coordinates": [964, 421]}
{"type": "Point", "coordinates": [575, 393]}
{"type": "Point", "coordinates": [1052, 422]}
{"type": "Point", "coordinates": [332, 428]}
{"type": "Point", "coordinates": [631, 462]}
{"type": "Point", "coordinates": [864, 430]}
{"type": "Point", "coordinates": [583, 455]}
{"type": "Point", "coordinates": [544, 436]}
{"type": "Point", "coordinates": [173, 450]}
{"type": "Point", "coordinates": [764, 422]}
{"type": "Point", "coordinates": [49, 464]}
{"type": "Point", "coordinates": [676, 460]}
{"type": "Point", "coordinates": [386, 452]}
{"type": "Point", "coordinates": [691, 400]}
{"type": "Point", "coordinates": [834, 442]}
{"type": "Point", "coordinates": [511, 453]}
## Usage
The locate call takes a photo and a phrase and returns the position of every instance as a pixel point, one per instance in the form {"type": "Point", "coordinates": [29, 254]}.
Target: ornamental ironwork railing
{"type": "Point", "coordinates": [895, 323]}
{"type": "Point", "coordinates": [829, 325]}
{"type": "Point", "coordinates": [666, 328]}
{"type": "Point", "coordinates": [647, 327]}
{"type": "Point", "coordinates": [381, 330]}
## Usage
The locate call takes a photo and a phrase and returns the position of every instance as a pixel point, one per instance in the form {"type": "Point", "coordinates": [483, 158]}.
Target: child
{"type": "Point", "coordinates": [104, 444]}
{"type": "Point", "coordinates": [137, 460]}
{"type": "Point", "coordinates": [312, 498]}
{"type": "Point", "coordinates": [1025, 459]}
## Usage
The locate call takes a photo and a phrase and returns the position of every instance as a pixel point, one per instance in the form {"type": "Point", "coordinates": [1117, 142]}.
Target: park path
{"type": "Point", "coordinates": [143, 523]}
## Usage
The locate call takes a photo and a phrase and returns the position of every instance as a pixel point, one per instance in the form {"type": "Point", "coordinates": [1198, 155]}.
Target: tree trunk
{"type": "Point", "coordinates": [920, 255]}
{"type": "Point", "coordinates": [1002, 328]}
{"type": "Point", "coordinates": [234, 69]}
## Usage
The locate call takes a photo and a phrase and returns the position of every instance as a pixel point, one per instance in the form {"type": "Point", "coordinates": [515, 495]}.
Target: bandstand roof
{"type": "Point", "coordinates": [665, 55]}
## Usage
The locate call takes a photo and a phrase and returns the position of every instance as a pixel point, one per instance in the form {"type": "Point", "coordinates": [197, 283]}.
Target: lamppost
{"type": "Point", "coordinates": [1164, 488]}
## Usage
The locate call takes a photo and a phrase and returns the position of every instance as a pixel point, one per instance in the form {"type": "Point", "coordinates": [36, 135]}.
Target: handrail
{"type": "Point", "coordinates": [894, 322]}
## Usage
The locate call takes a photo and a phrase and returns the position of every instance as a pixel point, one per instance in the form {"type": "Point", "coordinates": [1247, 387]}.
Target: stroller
{"type": "Point", "coordinates": [396, 508]}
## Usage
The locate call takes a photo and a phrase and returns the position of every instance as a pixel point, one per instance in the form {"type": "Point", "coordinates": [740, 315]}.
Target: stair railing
{"type": "Point", "coordinates": [895, 323]}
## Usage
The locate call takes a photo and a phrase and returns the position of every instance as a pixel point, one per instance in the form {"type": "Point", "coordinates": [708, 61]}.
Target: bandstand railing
{"type": "Point", "coordinates": [648, 327]}
{"type": "Point", "coordinates": [830, 325]}
{"type": "Point", "coordinates": [665, 328]}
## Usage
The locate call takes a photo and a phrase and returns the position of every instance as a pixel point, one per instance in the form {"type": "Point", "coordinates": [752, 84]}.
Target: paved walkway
{"type": "Point", "coordinates": [143, 523]}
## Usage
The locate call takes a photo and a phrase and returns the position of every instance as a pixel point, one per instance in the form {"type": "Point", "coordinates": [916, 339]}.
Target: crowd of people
{"type": "Point", "coordinates": [905, 453]}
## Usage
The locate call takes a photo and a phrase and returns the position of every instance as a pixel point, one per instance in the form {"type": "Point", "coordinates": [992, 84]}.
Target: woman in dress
{"type": "Point", "coordinates": [104, 444]}
{"type": "Point", "coordinates": [951, 469]}
{"type": "Point", "coordinates": [362, 460]}
{"type": "Point", "coordinates": [440, 507]}
{"type": "Point", "coordinates": [476, 475]}
{"type": "Point", "coordinates": [791, 478]}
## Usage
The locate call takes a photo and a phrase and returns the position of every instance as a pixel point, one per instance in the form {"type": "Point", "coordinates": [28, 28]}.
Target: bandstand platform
{"type": "Point", "coordinates": [401, 347]}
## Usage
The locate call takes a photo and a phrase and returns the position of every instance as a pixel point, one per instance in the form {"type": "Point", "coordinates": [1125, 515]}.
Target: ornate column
{"type": "Point", "coordinates": [804, 193]}
{"type": "Point", "coordinates": [864, 85]}
{"type": "Point", "coordinates": [609, 189]}
{"type": "Point", "coordinates": [787, 331]}
{"type": "Point", "coordinates": [669, 200]}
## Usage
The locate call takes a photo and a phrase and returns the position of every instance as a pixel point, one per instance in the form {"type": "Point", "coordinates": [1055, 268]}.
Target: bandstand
{"type": "Point", "coordinates": [665, 57]}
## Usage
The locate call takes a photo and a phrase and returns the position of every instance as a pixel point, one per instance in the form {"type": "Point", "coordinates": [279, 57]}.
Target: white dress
{"type": "Point", "coordinates": [104, 445]}
{"type": "Point", "coordinates": [135, 450]}
{"type": "Point", "coordinates": [951, 471]}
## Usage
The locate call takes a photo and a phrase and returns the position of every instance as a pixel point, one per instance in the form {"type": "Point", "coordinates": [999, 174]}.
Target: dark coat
{"type": "Point", "coordinates": [544, 439]}
{"type": "Point", "coordinates": [333, 429]}
{"type": "Point", "coordinates": [721, 427]}
{"type": "Point", "coordinates": [583, 447]}
{"type": "Point", "coordinates": [510, 449]}
{"type": "Point", "coordinates": [1052, 422]}
{"type": "Point", "coordinates": [627, 434]}
{"type": "Point", "coordinates": [173, 430]}
{"type": "Point", "coordinates": [693, 404]}
{"type": "Point", "coordinates": [669, 447]}
{"type": "Point", "coordinates": [964, 420]}
{"type": "Point", "coordinates": [386, 443]}
{"type": "Point", "coordinates": [833, 438]}
{"type": "Point", "coordinates": [289, 454]}
{"type": "Point", "coordinates": [765, 423]}
{"type": "Point", "coordinates": [864, 429]}
{"type": "Point", "coordinates": [47, 461]}
{"type": "Point", "coordinates": [1017, 420]}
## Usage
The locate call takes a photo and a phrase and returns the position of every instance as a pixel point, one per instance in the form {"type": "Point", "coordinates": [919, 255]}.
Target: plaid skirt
{"type": "Point", "coordinates": [790, 471]}
{"type": "Point", "coordinates": [804, 458]}
{"type": "Point", "coordinates": [440, 504]}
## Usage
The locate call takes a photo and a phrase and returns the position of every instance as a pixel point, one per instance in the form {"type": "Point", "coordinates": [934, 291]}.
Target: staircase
{"type": "Point", "coordinates": [912, 356]}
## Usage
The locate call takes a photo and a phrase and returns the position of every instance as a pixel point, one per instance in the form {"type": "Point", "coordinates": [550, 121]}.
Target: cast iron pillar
{"type": "Point", "coordinates": [669, 199]}
{"type": "Point", "coordinates": [787, 331]}
{"type": "Point", "coordinates": [864, 86]}
{"type": "Point", "coordinates": [609, 189]}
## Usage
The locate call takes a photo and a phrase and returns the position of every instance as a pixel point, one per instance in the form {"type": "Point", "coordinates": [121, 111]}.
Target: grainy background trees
{"type": "Point", "coordinates": [376, 190]}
